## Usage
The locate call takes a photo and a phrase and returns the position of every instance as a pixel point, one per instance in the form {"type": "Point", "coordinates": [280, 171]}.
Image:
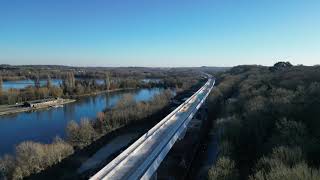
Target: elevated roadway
{"type": "Point", "coordinates": [143, 157]}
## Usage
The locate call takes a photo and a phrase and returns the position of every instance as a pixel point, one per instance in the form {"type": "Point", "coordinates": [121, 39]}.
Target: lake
{"type": "Point", "coordinates": [20, 84]}
{"type": "Point", "coordinates": [44, 125]}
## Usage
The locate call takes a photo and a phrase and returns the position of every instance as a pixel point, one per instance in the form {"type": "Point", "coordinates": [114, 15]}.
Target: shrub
{"type": "Point", "coordinates": [81, 135]}
{"type": "Point", "coordinates": [7, 164]}
{"type": "Point", "coordinates": [281, 156]}
{"type": "Point", "coordinates": [300, 171]}
{"type": "Point", "coordinates": [290, 133]}
{"type": "Point", "coordinates": [225, 148]}
{"type": "Point", "coordinates": [32, 157]}
{"type": "Point", "coordinates": [225, 169]}
{"type": "Point", "coordinates": [230, 128]}
{"type": "Point", "coordinates": [127, 110]}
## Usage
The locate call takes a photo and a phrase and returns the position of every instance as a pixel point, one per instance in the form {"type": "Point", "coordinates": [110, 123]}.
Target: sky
{"type": "Point", "coordinates": [162, 33]}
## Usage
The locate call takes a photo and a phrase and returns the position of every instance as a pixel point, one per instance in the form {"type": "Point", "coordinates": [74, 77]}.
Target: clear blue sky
{"type": "Point", "coordinates": [159, 32]}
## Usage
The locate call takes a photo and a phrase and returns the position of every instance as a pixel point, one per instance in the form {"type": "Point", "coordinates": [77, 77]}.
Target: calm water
{"type": "Point", "coordinates": [43, 126]}
{"type": "Point", "coordinates": [153, 80]}
{"type": "Point", "coordinates": [20, 84]}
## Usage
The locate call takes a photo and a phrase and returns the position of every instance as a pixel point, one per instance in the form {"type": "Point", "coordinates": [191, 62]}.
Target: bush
{"type": "Point", "coordinates": [225, 148]}
{"type": "Point", "coordinates": [300, 172]}
{"type": "Point", "coordinates": [281, 156]}
{"type": "Point", "coordinates": [290, 133]}
{"type": "Point", "coordinates": [32, 157]}
{"type": "Point", "coordinates": [128, 110]}
{"type": "Point", "coordinates": [81, 135]}
{"type": "Point", "coordinates": [7, 164]}
{"type": "Point", "coordinates": [225, 169]}
{"type": "Point", "coordinates": [230, 129]}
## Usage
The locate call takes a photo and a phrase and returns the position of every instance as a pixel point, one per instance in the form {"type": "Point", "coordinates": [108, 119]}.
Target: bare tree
{"type": "Point", "coordinates": [72, 132]}
{"type": "Point", "coordinates": [126, 101]}
{"type": "Point", "coordinates": [1, 84]}
{"type": "Point", "coordinates": [49, 84]}
{"type": "Point", "coordinates": [7, 165]}
{"type": "Point", "coordinates": [69, 82]}
{"type": "Point", "coordinates": [107, 81]}
{"type": "Point", "coordinates": [32, 157]}
{"type": "Point", "coordinates": [81, 135]}
{"type": "Point", "coordinates": [36, 81]}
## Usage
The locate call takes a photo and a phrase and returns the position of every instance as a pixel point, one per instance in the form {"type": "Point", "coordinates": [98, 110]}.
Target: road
{"type": "Point", "coordinates": [142, 158]}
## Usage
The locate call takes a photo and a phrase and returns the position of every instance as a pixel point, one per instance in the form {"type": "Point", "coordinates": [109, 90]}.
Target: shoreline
{"type": "Point", "coordinates": [98, 92]}
{"type": "Point", "coordinates": [13, 109]}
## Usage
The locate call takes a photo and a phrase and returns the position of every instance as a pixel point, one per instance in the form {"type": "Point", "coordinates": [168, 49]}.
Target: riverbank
{"type": "Point", "coordinates": [98, 92]}
{"type": "Point", "coordinates": [18, 108]}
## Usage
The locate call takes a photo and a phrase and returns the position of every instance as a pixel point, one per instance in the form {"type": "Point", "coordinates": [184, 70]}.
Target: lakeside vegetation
{"type": "Point", "coordinates": [267, 123]}
{"type": "Point", "coordinates": [77, 82]}
{"type": "Point", "coordinates": [33, 157]}
{"type": "Point", "coordinates": [126, 111]}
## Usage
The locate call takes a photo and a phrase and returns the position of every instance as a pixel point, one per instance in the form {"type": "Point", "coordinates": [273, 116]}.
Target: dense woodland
{"type": "Point", "coordinates": [267, 121]}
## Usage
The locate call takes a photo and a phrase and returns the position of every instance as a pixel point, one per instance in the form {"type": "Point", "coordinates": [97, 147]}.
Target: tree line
{"type": "Point", "coordinates": [73, 87]}
{"type": "Point", "coordinates": [69, 87]}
